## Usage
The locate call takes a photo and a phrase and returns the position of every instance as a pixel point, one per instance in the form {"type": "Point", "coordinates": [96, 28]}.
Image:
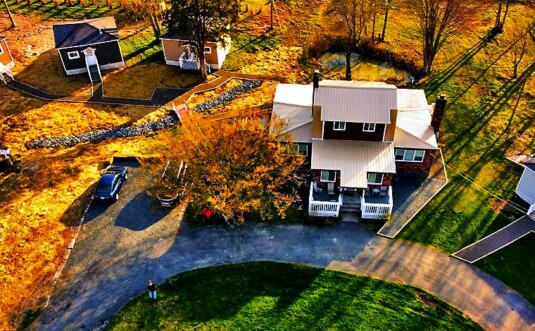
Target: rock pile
{"type": "Point", "coordinates": [142, 129]}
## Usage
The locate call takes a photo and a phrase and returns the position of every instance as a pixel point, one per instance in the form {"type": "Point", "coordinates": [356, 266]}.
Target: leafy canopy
{"type": "Point", "coordinates": [237, 167]}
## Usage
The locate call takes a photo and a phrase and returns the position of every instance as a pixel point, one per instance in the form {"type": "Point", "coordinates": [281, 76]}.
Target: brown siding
{"type": "Point", "coordinates": [416, 167]}
{"type": "Point", "coordinates": [211, 58]}
{"type": "Point", "coordinates": [5, 57]}
{"type": "Point", "coordinates": [391, 128]}
{"type": "Point", "coordinates": [174, 48]}
{"type": "Point", "coordinates": [353, 131]}
{"type": "Point", "coordinates": [317, 124]}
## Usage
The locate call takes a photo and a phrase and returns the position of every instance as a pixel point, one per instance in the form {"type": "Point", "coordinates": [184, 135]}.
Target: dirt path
{"type": "Point", "coordinates": [110, 265]}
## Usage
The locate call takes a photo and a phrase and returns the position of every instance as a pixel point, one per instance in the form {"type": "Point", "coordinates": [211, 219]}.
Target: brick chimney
{"type": "Point", "coordinates": [315, 85]}
{"type": "Point", "coordinates": [438, 112]}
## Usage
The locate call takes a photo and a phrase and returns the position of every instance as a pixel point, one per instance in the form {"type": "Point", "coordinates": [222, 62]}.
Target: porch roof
{"type": "Point", "coordinates": [354, 159]}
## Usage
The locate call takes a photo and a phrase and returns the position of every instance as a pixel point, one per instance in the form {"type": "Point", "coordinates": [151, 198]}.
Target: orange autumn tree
{"type": "Point", "coordinates": [236, 167]}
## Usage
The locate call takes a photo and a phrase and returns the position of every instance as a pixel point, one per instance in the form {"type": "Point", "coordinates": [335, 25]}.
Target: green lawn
{"type": "Point", "coordinates": [274, 296]}
{"type": "Point", "coordinates": [514, 266]}
{"type": "Point", "coordinates": [49, 10]}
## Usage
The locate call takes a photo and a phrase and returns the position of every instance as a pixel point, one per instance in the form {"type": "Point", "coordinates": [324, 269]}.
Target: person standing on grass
{"type": "Point", "coordinates": [152, 290]}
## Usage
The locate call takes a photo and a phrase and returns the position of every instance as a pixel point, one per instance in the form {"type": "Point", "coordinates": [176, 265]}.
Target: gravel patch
{"type": "Point", "coordinates": [166, 121]}
{"type": "Point", "coordinates": [227, 96]}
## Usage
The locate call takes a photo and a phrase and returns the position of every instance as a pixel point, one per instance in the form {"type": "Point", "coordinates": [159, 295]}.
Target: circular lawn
{"type": "Point", "coordinates": [277, 296]}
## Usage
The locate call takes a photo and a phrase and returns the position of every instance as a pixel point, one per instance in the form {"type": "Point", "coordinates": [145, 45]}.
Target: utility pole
{"type": "Point", "coordinates": [13, 24]}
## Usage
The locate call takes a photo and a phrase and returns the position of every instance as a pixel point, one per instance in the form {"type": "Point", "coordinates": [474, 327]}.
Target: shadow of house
{"type": "Point", "coordinates": [140, 213]}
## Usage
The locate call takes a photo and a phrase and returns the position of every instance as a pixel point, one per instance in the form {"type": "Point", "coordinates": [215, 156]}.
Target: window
{"type": "Point", "coordinates": [410, 155]}
{"type": "Point", "coordinates": [207, 50]}
{"type": "Point", "coordinates": [339, 126]}
{"type": "Point", "coordinates": [1, 50]}
{"type": "Point", "coordinates": [302, 149]}
{"type": "Point", "coordinates": [73, 55]}
{"type": "Point", "coordinates": [375, 178]}
{"type": "Point", "coordinates": [328, 176]}
{"type": "Point", "coordinates": [369, 127]}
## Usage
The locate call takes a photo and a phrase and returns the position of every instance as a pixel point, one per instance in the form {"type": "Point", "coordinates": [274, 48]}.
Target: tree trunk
{"type": "Point", "coordinates": [498, 16]}
{"type": "Point", "coordinates": [13, 24]}
{"type": "Point", "coordinates": [505, 13]}
{"type": "Point", "coordinates": [386, 19]}
{"type": "Point", "coordinates": [374, 18]}
{"type": "Point", "coordinates": [155, 26]}
{"type": "Point", "coordinates": [348, 64]}
{"type": "Point", "coordinates": [202, 62]}
{"type": "Point", "coordinates": [429, 57]}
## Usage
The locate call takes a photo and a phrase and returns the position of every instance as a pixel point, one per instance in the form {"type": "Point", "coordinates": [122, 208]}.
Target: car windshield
{"type": "Point", "coordinates": [104, 188]}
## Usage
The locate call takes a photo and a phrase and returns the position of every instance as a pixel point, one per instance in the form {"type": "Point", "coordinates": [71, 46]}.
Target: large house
{"type": "Point", "coordinates": [178, 52]}
{"type": "Point", "coordinates": [357, 136]}
{"type": "Point", "coordinates": [88, 46]}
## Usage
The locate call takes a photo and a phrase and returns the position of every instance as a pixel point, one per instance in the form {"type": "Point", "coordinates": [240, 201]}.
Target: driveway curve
{"type": "Point", "coordinates": [100, 279]}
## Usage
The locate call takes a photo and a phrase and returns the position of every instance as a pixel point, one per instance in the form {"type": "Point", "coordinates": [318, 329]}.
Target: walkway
{"type": "Point", "coordinates": [111, 263]}
{"type": "Point", "coordinates": [401, 216]}
{"type": "Point", "coordinates": [497, 240]}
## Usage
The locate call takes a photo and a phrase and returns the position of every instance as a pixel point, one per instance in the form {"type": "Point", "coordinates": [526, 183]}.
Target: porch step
{"type": "Point", "coordinates": [6, 78]}
{"type": "Point", "coordinates": [94, 74]}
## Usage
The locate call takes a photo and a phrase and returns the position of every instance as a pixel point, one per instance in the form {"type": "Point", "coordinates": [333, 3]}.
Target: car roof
{"type": "Point", "coordinates": [107, 178]}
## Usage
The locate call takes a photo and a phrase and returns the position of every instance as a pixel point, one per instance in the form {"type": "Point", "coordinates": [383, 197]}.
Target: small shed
{"type": "Point", "coordinates": [88, 46]}
{"type": "Point", "coordinates": [177, 52]}
{"type": "Point", "coordinates": [6, 59]}
{"type": "Point", "coordinates": [526, 186]}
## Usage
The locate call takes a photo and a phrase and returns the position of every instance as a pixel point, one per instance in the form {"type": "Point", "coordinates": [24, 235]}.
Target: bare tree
{"type": "Point", "coordinates": [351, 16]}
{"type": "Point", "coordinates": [501, 15]}
{"type": "Point", "coordinates": [387, 8]}
{"type": "Point", "coordinates": [437, 21]}
{"type": "Point", "coordinates": [13, 24]}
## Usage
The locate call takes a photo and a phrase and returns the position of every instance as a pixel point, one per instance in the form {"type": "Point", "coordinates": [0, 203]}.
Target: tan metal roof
{"type": "Point", "coordinates": [302, 134]}
{"type": "Point", "coordinates": [413, 130]}
{"type": "Point", "coordinates": [354, 159]}
{"type": "Point", "coordinates": [358, 102]}
{"type": "Point", "coordinates": [412, 100]}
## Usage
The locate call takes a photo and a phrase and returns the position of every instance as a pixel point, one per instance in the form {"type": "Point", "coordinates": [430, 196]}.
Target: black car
{"type": "Point", "coordinates": [110, 183]}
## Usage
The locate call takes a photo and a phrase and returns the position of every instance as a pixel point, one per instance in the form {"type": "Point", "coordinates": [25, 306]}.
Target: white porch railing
{"type": "Point", "coordinates": [323, 208]}
{"type": "Point", "coordinates": [377, 210]}
{"type": "Point", "coordinates": [5, 71]}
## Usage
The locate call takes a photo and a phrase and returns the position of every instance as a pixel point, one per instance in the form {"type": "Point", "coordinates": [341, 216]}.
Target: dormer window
{"type": "Point", "coordinates": [207, 50]}
{"type": "Point", "coordinates": [339, 126]}
{"type": "Point", "coordinates": [73, 55]}
{"type": "Point", "coordinates": [369, 127]}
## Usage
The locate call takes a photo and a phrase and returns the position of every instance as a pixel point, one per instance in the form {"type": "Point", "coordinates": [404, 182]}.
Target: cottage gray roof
{"type": "Point", "coordinates": [84, 33]}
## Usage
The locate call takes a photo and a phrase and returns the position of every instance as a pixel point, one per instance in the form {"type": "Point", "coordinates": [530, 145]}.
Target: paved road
{"type": "Point", "coordinates": [497, 240]}
{"type": "Point", "coordinates": [112, 262]}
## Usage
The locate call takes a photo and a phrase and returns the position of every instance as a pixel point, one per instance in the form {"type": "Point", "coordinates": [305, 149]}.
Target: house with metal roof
{"type": "Point", "coordinates": [357, 136]}
{"type": "Point", "coordinates": [88, 46]}
{"type": "Point", "coordinates": [526, 185]}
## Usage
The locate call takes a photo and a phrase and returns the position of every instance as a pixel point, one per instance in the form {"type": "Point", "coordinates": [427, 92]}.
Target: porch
{"type": "Point", "coordinates": [374, 204]}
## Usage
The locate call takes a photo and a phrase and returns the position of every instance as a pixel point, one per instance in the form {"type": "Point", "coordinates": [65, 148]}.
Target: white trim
{"type": "Point", "coordinates": [413, 157]}
{"type": "Point", "coordinates": [306, 149]}
{"type": "Point", "coordinates": [103, 67]}
{"type": "Point", "coordinates": [369, 124]}
{"type": "Point", "coordinates": [62, 62]}
{"type": "Point", "coordinates": [384, 132]}
{"type": "Point", "coordinates": [375, 183]}
{"type": "Point", "coordinates": [73, 55]}
{"type": "Point", "coordinates": [327, 181]}
{"type": "Point", "coordinates": [89, 45]}
{"type": "Point", "coordinates": [322, 128]}
{"type": "Point", "coordinates": [340, 124]}
{"type": "Point", "coordinates": [172, 63]}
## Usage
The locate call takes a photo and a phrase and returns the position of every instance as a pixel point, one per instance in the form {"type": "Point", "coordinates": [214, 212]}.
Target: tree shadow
{"type": "Point", "coordinates": [72, 216]}
{"type": "Point", "coordinates": [140, 213]}
{"type": "Point", "coordinates": [441, 77]}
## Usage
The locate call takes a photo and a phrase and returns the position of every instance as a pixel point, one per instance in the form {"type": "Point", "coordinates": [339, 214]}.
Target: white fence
{"type": "Point", "coordinates": [323, 208]}
{"type": "Point", "coordinates": [377, 210]}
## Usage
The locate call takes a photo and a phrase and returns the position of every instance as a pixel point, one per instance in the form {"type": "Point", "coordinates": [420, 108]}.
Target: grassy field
{"type": "Point", "coordinates": [272, 296]}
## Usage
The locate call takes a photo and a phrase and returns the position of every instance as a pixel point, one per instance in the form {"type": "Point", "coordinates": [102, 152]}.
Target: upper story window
{"type": "Point", "coordinates": [369, 127]}
{"type": "Point", "coordinates": [207, 50]}
{"type": "Point", "coordinates": [73, 55]}
{"type": "Point", "coordinates": [302, 149]}
{"type": "Point", "coordinates": [328, 176]}
{"type": "Point", "coordinates": [375, 178]}
{"type": "Point", "coordinates": [339, 126]}
{"type": "Point", "coordinates": [410, 155]}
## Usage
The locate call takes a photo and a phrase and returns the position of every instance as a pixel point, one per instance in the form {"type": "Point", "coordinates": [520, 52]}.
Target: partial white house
{"type": "Point", "coordinates": [526, 186]}
{"type": "Point", "coordinates": [356, 137]}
